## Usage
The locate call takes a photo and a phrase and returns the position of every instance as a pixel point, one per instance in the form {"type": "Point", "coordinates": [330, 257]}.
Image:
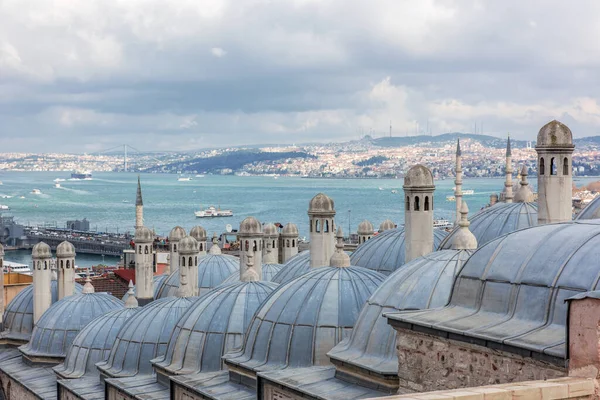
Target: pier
{"type": "Point", "coordinates": [85, 242]}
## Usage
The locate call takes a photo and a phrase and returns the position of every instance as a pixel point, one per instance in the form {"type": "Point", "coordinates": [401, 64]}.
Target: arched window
{"type": "Point", "coordinates": [566, 166]}
{"type": "Point", "coordinates": [247, 245]}
{"type": "Point", "coordinates": [311, 225]}
{"type": "Point", "coordinates": [287, 243]}
{"type": "Point", "coordinates": [326, 226]}
{"type": "Point", "coordinates": [68, 264]}
{"type": "Point", "coordinates": [146, 249]}
{"type": "Point", "coordinates": [183, 261]}
{"type": "Point", "coordinates": [426, 205]}
{"type": "Point", "coordinates": [190, 262]}
{"type": "Point", "coordinates": [45, 265]}
{"type": "Point", "coordinates": [293, 243]}
{"type": "Point", "coordinates": [174, 247]}
{"type": "Point", "coordinates": [417, 205]}
{"type": "Point", "coordinates": [552, 166]}
{"type": "Point", "coordinates": [274, 244]}
{"type": "Point", "coordinates": [140, 250]}
{"type": "Point", "coordinates": [201, 247]}
{"type": "Point", "coordinates": [195, 261]}
{"type": "Point", "coordinates": [317, 226]}
{"type": "Point", "coordinates": [542, 166]}
{"type": "Point", "coordinates": [254, 246]}
{"type": "Point", "coordinates": [62, 264]}
{"type": "Point", "coordinates": [407, 203]}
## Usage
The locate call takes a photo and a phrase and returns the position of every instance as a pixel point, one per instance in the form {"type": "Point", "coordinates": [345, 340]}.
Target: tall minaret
{"type": "Point", "coordinates": [365, 231]}
{"type": "Point", "coordinates": [199, 233]}
{"type": "Point", "coordinates": [321, 212]}
{"type": "Point", "coordinates": [144, 263]}
{"type": "Point", "coordinates": [270, 244]}
{"type": "Point", "coordinates": [418, 215]}
{"type": "Point", "coordinates": [1, 287]}
{"type": "Point", "coordinates": [42, 277]}
{"type": "Point", "coordinates": [188, 263]}
{"type": "Point", "coordinates": [175, 236]}
{"type": "Point", "coordinates": [508, 186]}
{"type": "Point", "coordinates": [339, 258]}
{"type": "Point", "coordinates": [139, 206]}
{"type": "Point", "coordinates": [464, 238]}
{"type": "Point", "coordinates": [65, 260]}
{"type": "Point", "coordinates": [250, 236]}
{"type": "Point", "coordinates": [458, 194]}
{"type": "Point", "coordinates": [554, 148]}
{"type": "Point", "coordinates": [289, 242]}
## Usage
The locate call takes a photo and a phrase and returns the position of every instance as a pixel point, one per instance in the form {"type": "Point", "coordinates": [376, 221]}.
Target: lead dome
{"type": "Point", "coordinates": [188, 245]}
{"type": "Point", "coordinates": [365, 227]}
{"type": "Point", "coordinates": [65, 249]}
{"type": "Point", "coordinates": [296, 266]}
{"type": "Point", "coordinates": [418, 176]}
{"type": "Point", "coordinates": [386, 225]}
{"type": "Point", "coordinates": [290, 229]}
{"type": "Point", "coordinates": [177, 234]}
{"type": "Point", "coordinates": [269, 271]}
{"type": "Point", "coordinates": [591, 211]}
{"type": "Point", "coordinates": [321, 203]}
{"type": "Point", "coordinates": [143, 234]}
{"type": "Point", "coordinates": [41, 250]}
{"type": "Point", "coordinates": [198, 233]}
{"type": "Point", "coordinates": [554, 133]}
{"type": "Point", "coordinates": [270, 229]}
{"type": "Point", "coordinates": [250, 225]}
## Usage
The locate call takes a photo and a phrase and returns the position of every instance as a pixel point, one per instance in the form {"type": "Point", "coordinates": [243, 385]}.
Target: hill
{"type": "Point", "coordinates": [486, 140]}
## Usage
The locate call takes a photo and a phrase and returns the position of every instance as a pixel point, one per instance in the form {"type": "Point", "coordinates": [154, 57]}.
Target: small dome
{"type": "Point", "coordinates": [321, 203]}
{"type": "Point", "coordinates": [293, 268]}
{"type": "Point", "coordinates": [41, 250]}
{"type": "Point", "coordinates": [268, 273]}
{"type": "Point", "coordinates": [250, 226]}
{"type": "Point", "coordinates": [591, 211]}
{"type": "Point", "coordinates": [302, 320]}
{"type": "Point", "coordinates": [425, 282]}
{"type": "Point", "coordinates": [497, 220]}
{"type": "Point", "coordinates": [270, 230]}
{"type": "Point", "coordinates": [213, 269]}
{"type": "Point", "coordinates": [385, 252]}
{"type": "Point", "coordinates": [188, 245]}
{"type": "Point", "coordinates": [213, 326]}
{"type": "Point", "coordinates": [65, 249]}
{"type": "Point", "coordinates": [198, 233]}
{"type": "Point", "coordinates": [143, 337]}
{"type": "Point", "coordinates": [387, 225]}
{"type": "Point", "coordinates": [554, 133]}
{"type": "Point", "coordinates": [18, 316]}
{"type": "Point", "coordinates": [144, 235]}
{"type": "Point", "coordinates": [57, 327]}
{"type": "Point", "coordinates": [290, 230]}
{"type": "Point", "coordinates": [176, 234]}
{"type": "Point", "coordinates": [158, 282]}
{"type": "Point", "coordinates": [418, 176]}
{"type": "Point", "coordinates": [92, 344]}
{"type": "Point", "coordinates": [365, 228]}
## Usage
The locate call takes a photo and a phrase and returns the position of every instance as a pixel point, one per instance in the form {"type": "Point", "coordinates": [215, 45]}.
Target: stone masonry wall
{"type": "Point", "coordinates": [427, 363]}
{"type": "Point", "coordinates": [14, 390]}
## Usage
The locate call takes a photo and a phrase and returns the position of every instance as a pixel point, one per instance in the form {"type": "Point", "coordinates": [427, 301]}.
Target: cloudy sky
{"type": "Point", "coordinates": [86, 75]}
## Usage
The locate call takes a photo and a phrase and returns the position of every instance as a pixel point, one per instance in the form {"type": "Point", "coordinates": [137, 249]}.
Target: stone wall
{"type": "Point", "coordinates": [13, 390]}
{"type": "Point", "coordinates": [427, 362]}
{"type": "Point", "coordinates": [182, 393]}
{"type": "Point", "coordinates": [271, 392]}
{"type": "Point", "coordinates": [113, 393]}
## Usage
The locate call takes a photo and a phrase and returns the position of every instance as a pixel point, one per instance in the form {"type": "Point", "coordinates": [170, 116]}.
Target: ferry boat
{"type": "Point", "coordinates": [212, 212]}
{"type": "Point", "coordinates": [36, 191]}
{"type": "Point", "coordinates": [10, 266]}
{"type": "Point", "coordinates": [199, 176]}
{"type": "Point", "coordinates": [442, 223]}
{"type": "Point", "coordinates": [450, 198]}
{"type": "Point", "coordinates": [4, 207]}
{"type": "Point", "coordinates": [57, 185]}
{"type": "Point", "coordinates": [394, 191]}
{"type": "Point", "coordinates": [466, 192]}
{"type": "Point", "coordinates": [184, 179]}
{"type": "Point", "coordinates": [81, 175]}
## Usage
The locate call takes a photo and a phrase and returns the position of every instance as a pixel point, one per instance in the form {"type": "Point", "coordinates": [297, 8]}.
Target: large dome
{"type": "Point", "coordinates": [497, 220]}
{"type": "Point", "coordinates": [58, 326]}
{"type": "Point", "coordinates": [305, 318]}
{"type": "Point", "coordinates": [143, 337]}
{"type": "Point", "coordinates": [213, 269]}
{"type": "Point", "coordinates": [293, 268]}
{"type": "Point", "coordinates": [591, 211]}
{"type": "Point", "coordinates": [92, 344]}
{"type": "Point", "coordinates": [385, 252]}
{"type": "Point", "coordinates": [268, 273]}
{"type": "Point", "coordinates": [425, 282]}
{"type": "Point", "coordinates": [554, 133]}
{"type": "Point", "coordinates": [213, 326]}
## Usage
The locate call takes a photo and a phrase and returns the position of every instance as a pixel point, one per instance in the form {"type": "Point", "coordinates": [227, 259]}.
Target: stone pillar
{"type": "Point", "coordinates": [250, 236]}
{"type": "Point", "coordinates": [270, 244]}
{"type": "Point", "coordinates": [139, 206]}
{"type": "Point", "coordinates": [508, 185]}
{"type": "Point", "coordinates": [65, 261]}
{"type": "Point", "coordinates": [42, 277]}
{"type": "Point", "coordinates": [365, 231]}
{"type": "Point", "coordinates": [288, 242]}
{"type": "Point", "coordinates": [321, 211]}
{"type": "Point", "coordinates": [584, 335]}
{"type": "Point", "coordinates": [418, 215]}
{"type": "Point", "coordinates": [144, 262]}
{"type": "Point", "coordinates": [199, 233]}
{"type": "Point", "coordinates": [175, 236]}
{"type": "Point", "coordinates": [188, 262]}
{"type": "Point", "coordinates": [458, 194]}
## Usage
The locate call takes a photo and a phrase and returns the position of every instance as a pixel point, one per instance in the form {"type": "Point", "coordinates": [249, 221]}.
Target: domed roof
{"type": "Point", "coordinates": [176, 234]}
{"type": "Point", "coordinates": [157, 281]}
{"type": "Point", "coordinates": [213, 326]}
{"type": "Point", "coordinates": [387, 225]}
{"type": "Point", "coordinates": [293, 268]}
{"type": "Point", "coordinates": [365, 228]}
{"type": "Point", "coordinates": [65, 249]}
{"type": "Point", "coordinates": [321, 203]}
{"type": "Point", "coordinates": [198, 233]}
{"type": "Point", "coordinates": [591, 211]}
{"type": "Point", "coordinates": [213, 269]}
{"type": "Point", "coordinates": [92, 344]}
{"type": "Point", "coordinates": [497, 220]}
{"type": "Point", "coordinates": [250, 225]}
{"type": "Point", "coordinates": [188, 245]}
{"type": "Point", "coordinates": [290, 229]}
{"type": "Point", "coordinates": [144, 336]}
{"type": "Point", "coordinates": [385, 252]}
{"type": "Point", "coordinates": [554, 133]}
{"type": "Point", "coordinates": [268, 273]}
{"type": "Point", "coordinates": [18, 316]}
{"type": "Point", "coordinates": [143, 235]}
{"type": "Point", "coordinates": [425, 282]}
{"type": "Point", "coordinates": [41, 250]}
{"type": "Point", "coordinates": [302, 320]}
{"type": "Point", "coordinates": [418, 176]}
{"type": "Point", "coordinates": [58, 326]}
{"type": "Point", "coordinates": [270, 230]}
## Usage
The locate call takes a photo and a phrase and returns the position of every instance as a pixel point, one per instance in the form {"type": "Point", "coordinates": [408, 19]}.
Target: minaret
{"type": "Point", "coordinates": [458, 194]}
{"type": "Point", "coordinates": [554, 148]}
{"type": "Point", "coordinates": [464, 238]}
{"type": "Point", "coordinates": [289, 242]}
{"type": "Point", "coordinates": [2, 287]}
{"type": "Point", "coordinates": [65, 260]}
{"type": "Point", "coordinates": [418, 215]}
{"type": "Point", "coordinates": [365, 231]}
{"type": "Point", "coordinates": [175, 236]}
{"type": "Point", "coordinates": [199, 233]}
{"type": "Point", "coordinates": [321, 211]}
{"type": "Point", "coordinates": [139, 206]}
{"type": "Point", "coordinates": [188, 263]}
{"type": "Point", "coordinates": [144, 263]}
{"type": "Point", "coordinates": [250, 274]}
{"type": "Point", "coordinates": [42, 277]}
{"type": "Point", "coordinates": [524, 193]}
{"type": "Point", "coordinates": [508, 186]}
{"type": "Point", "coordinates": [270, 244]}
{"type": "Point", "coordinates": [131, 301]}
{"type": "Point", "coordinates": [250, 236]}
{"type": "Point", "coordinates": [339, 258]}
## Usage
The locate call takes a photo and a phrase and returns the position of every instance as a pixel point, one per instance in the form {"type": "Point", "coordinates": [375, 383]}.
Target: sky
{"type": "Point", "coordinates": [88, 75]}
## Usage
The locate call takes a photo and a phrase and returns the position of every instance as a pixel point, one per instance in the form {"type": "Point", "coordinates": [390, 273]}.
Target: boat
{"type": "Point", "coordinates": [199, 176]}
{"type": "Point", "coordinates": [59, 180]}
{"type": "Point", "coordinates": [81, 175]}
{"type": "Point", "coordinates": [10, 266]}
{"type": "Point", "coordinates": [36, 191]}
{"type": "Point", "coordinates": [4, 207]}
{"type": "Point", "coordinates": [465, 192]}
{"type": "Point", "coordinates": [450, 198]}
{"type": "Point", "coordinates": [184, 179]}
{"type": "Point", "coordinates": [125, 201]}
{"type": "Point", "coordinates": [394, 191]}
{"type": "Point", "coordinates": [442, 223]}
{"type": "Point", "coordinates": [57, 185]}
{"type": "Point", "coordinates": [212, 212]}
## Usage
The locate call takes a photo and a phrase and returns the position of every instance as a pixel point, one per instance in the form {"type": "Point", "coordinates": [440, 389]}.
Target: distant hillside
{"type": "Point", "coordinates": [489, 141]}
{"type": "Point", "coordinates": [588, 140]}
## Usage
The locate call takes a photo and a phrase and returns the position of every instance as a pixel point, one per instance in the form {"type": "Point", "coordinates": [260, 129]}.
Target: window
{"type": "Point", "coordinates": [201, 247]}
{"type": "Point", "coordinates": [146, 249]}
{"type": "Point", "coordinates": [287, 244]}
{"type": "Point", "coordinates": [247, 245]}
{"type": "Point", "coordinates": [426, 205]}
{"type": "Point", "coordinates": [140, 250]}
{"type": "Point", "coordinates": [45, 265]}
{"type": "Point", "coordinates": [254, 246]}
{"type": "Point", "coordinates": [175, 248]}
{"type": "Point", "coordinates": [293, 243]}
{"type": "Point", "coordinates": [62, 264]}
{"type": "Point", "coordinates": [183, 261]}
{"type": "Point", "coordinates": [195, 261]}
{"type": "Point", "coordinates": [274, 244]}
{"type": "Point", "coordinates": [311, 228]}
{"type": "Point", "coordinates": [566, 167]}
{"type": "Point", "coordinates": [190, 262]}
{"type": "Point", "coordinates": [553, 170]}
{"type": "Point", "coordinates": [317, 226]}
{"type": "Point", "coordinates": [68, 264]}
{"type": "Point", "coordinates": [326, 226]}
{"type": "Point", "coordinates": [407, 203]}
{"type": "Point", "coordinates": [417, 205]}
{"type": "Point", "coordinates": [542, 166]}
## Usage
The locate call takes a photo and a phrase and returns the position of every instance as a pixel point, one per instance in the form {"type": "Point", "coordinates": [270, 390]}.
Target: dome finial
{"type": "Point", "coordinates": [250, 275]}
{"type": "Point", "coordinates": [464, 238]}
{"type": "Point", "coordinates": [88, 288]}
{"type": "Point", "coordinates": [215, 245]}
{"type": "Point", "coordinates": [131, 301]}
{"type": "Point", "coordinates": [339, 259]}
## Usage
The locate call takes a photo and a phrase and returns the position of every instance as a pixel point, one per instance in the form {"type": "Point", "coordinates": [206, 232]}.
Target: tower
{"type": "Point", "coordinates": [418, 215]}
{"type": "Point", "coordinates": [508, 186]}
{"type": "Point", "coordinates": [139, 206]}
{"type": "Point", "coordinates": [321, 211]}
{"type": "Point", "coordinates": [188, 263]}
{"type": "Point", "coordinates": [199, 233]}
{"type": "Point", "coordinates": [464, 238]}
{"type": "Point", "coordinates": [458, 181]}
{"type": "Point", "coordinates": [270, 244]}
{"type": "Point", "coordinates": [289, 242]}
{"type": "Point", "coordinates": [65, 261]}
{"type": "Point", "coordinates": [250, 236]}
{"type": "Point", "coordinates": [175, 236]}
{"type": "Point", "coordinates": [144, 265]}
{"type": "Point", "coordinates": [42, 276]}
{"type": "Point", "coordinates": [554, 149]}
{"type": "Point", "coordinates": [365, 231]}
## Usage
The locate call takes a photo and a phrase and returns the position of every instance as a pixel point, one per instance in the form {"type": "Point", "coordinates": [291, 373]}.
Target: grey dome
{"type": "Point", "coordinates": [387, 225]}
{"type": "Point", "coordinates": [213, 326]}
{"type": "Point", "coordinates": [290, 230]}
{"type": "Point", "coordinates": [418, 176]}
{"type": "Point", "coordinates": [250, 226]}
{"type": "Point", "coordinates": [143, 337]}
{"type": "Point", "coordinates": [305, 318]}
{"type": "Point", "coordinates": [143, 235]}
{"type": "Point", "coordinates": [41, 250]}
{"type": "Point", "coordinates": [497, 220]}
{"type": "Point", "coordinates": [65, 249]}
{"type": "Point", "coordinates": [385, 252]}
{"type": "Point", "coordinates": [554, 133]}
{"type": "Point", "coordinates": [18, 316]}
{"type": "Point", "coordinates": [213, 269]}
{"type": "Point", "coordinates": [425, 282]}
{"type": "Point", "coordinates": [58, 326]}
{"type": "Point", "coordinates": [92, 344]}
{"type": "Point", "coordinates": [270, 230]}
{"type": "Point", "coordinates": [365, 228]}
{"type": "Point", "coordinates": [591, 211]}
{"type": "Point", "coordinates": [268, 273]}
{"type": "Point", "coordinates": [293, 268]}
{"type": "Point", "coordinates": [188, 245]}
{"type": "Point", "coordinates": [198, 233]}
{"type": "Point", "coordinates": [177, 234]}
{"type": "Point", "coordinates": [320, 204]}
{"type": "Point", "coordinates": [157, 281]}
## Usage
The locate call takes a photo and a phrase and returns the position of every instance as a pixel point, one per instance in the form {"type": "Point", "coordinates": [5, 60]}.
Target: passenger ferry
{"type": "Point", "coordinates": [10, 266]}
{"type": "Point", "coordinates": [4, 207]}
{"type": "Point", "coordinates": [183, 178]}
{"type": "Point", "coordinates": [466, 192]}
{"type": "Point", "coordinates": [36, 191]}
{"type": "Point", "coordinates": [442, 223]}
{"type": "Point", "coordinates": [212, 212]}
{"type": "Point", "coordinates": [81, 175]}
